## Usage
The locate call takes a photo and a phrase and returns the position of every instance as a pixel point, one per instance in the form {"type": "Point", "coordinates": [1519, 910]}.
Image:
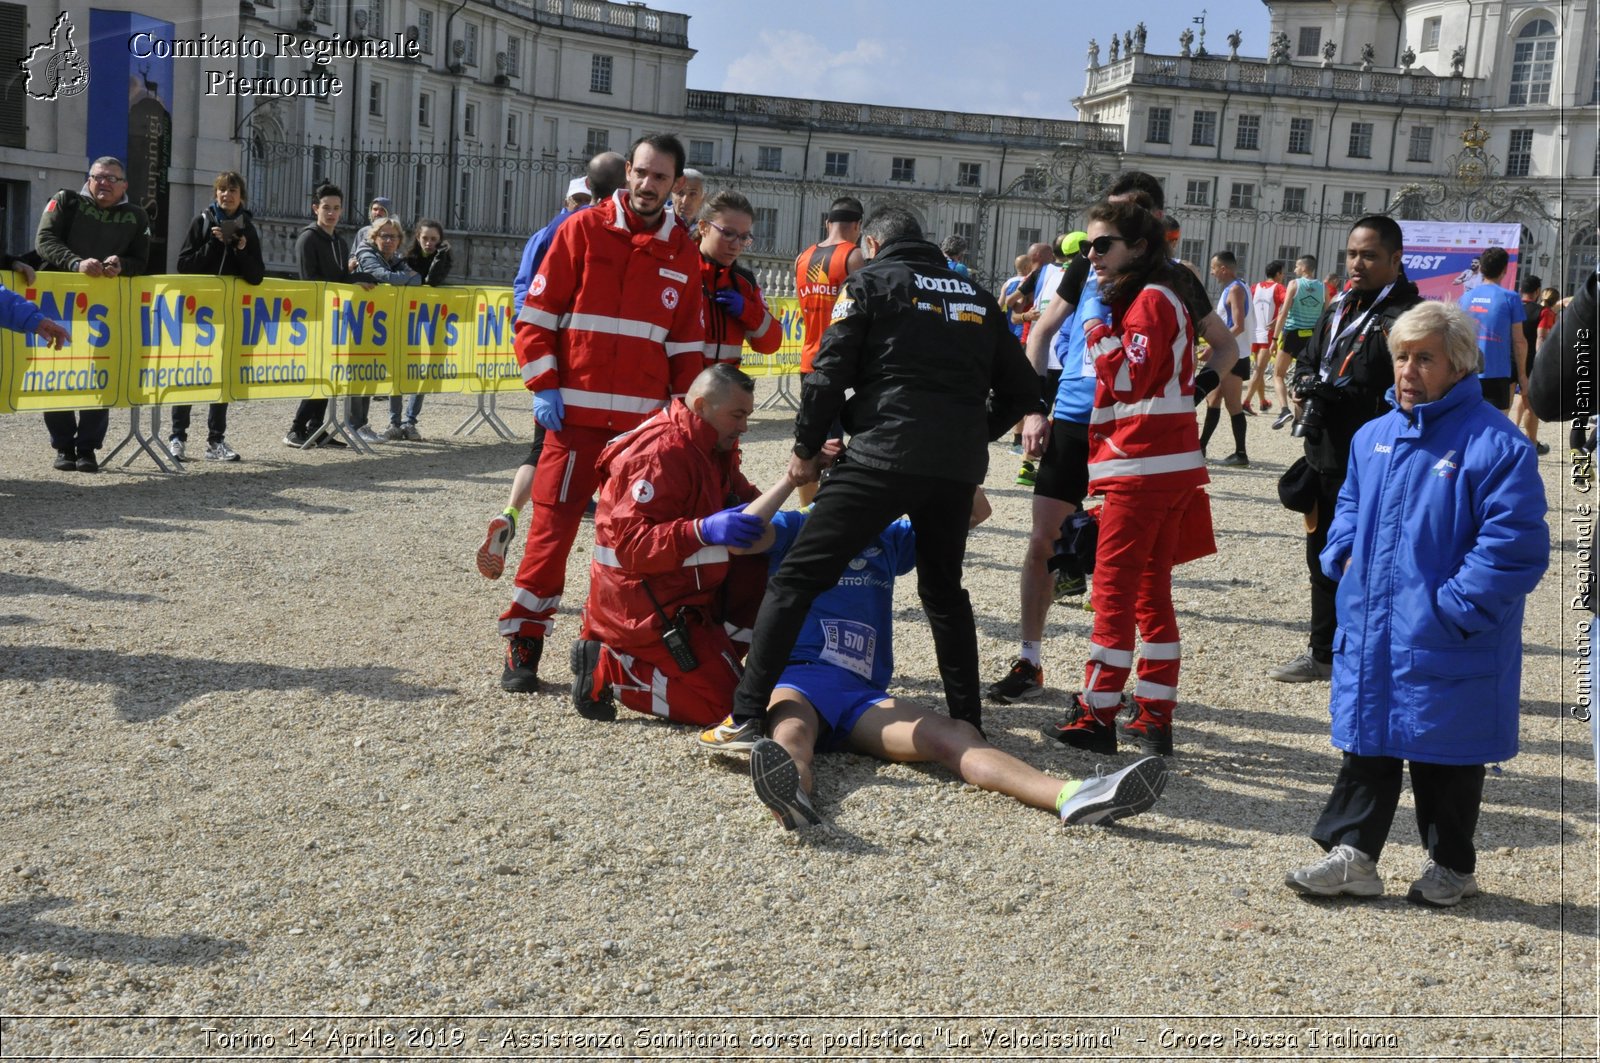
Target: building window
{"type": "Point", "coordinates": [464, 194]}
{"type": "Point", "coordinates": [1353, 203]}
{"type": "Point", "coordinates": [1197, 193]}
{"type": "Point", "coordinates": [600, 74]}
{"type": "Point", "coordinates": [1287, 253]}
{"type": "Point", "coordinates": [966, 230]}
{"type": "Point", "coordinates": [1361, 140]}
{"type": "Point", "coordinates": [319, 165]}
{"type": "Point", "coordinates": [1204, 132]}
{"type": "Point", "coordinates": [1300, 136]}
{"type": "Point", "coordinates": [969, 174]}
{"type": "Point", "coordinates": [469, 120]}
{"type": "Point", "coordinates": [1310, 41]}
{"type": "Point", "coordinates": [1532, 63]}
{"type": "Point", "coordinates": [1192, 250]}
{"type": "Point", "coordinates": [469, 37]}
{"type": "Point", "coordinates": [514, 56]}
{"type": "Point", "coordinates": [1034, 179]}
{"type": "Point", "coordinates": [1158, 126]}
{"type": "Point", "coordinates": [836, 164]}
{"type": "Point", "coordinates": [505, 204]}
{"type": "Point", "coordinates": [769, 159]}
{"type": "Point", "coordinates": [323, 11]}
{"type": "Point", "coordinates": [425, 110]}
{"type": "Point", "coordinates": [765, 227]}
{"type": "Point", "coordinates": [419, 189]}
{"type": "Point", "coordinates": [1430, 34]}
{"type": "Point", "coordinates": [1519, 153]}
{"type": "Point", "coordinates": [1242, 196]}
{"type": "Point", "coordinates": [1249, 138]}
{"type": "Point", "coordinates": [1294, 201]}
{"type": "Point", "coordinates": [1026, 238]}
{"type": "Point", "coordinates": [598, 140]}
{"type": "Point", "coordinates": [702, 153]}
{"type": "Point", "coordinates": [1421, 144]}
{"type": "Point", "coordinates": [375, 99]}
{"type": "Point", "coordinates": [902, 169]}
{"type": "Point", "coordinates": [513, 130]}
{"type": "Point", "coordinates": [425, 32]}
{"type": "Point", "coordinates": [369, 178]}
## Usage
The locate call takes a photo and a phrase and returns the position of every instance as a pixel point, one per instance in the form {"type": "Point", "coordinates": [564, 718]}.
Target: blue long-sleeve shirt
{"type": "Point", "coordinates": [17, 313]}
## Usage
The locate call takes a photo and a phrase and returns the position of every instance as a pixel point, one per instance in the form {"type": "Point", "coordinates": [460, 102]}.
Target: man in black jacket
{"type": "Point", "coordinates": [322, 255]}
{"type": "Point", "coordinates": [937, 375]}
{"type": "Point", "coordinates": [1340, 377]}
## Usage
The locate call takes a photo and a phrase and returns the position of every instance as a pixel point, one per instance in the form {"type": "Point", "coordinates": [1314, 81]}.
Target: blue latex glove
{"type": "Point", "coordinates": [548, 409]}
{"type": "Point", "coordinates": [731, 527]}
{"type": "Point", "coordinates": [729, 300]}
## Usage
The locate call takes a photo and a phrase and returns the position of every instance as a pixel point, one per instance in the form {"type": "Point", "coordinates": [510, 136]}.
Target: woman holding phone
{"type": "Point", "coordinates": [222, 242]}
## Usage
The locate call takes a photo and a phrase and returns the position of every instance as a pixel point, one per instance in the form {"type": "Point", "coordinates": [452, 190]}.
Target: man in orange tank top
{"type": "Point", "coordinates": [819, 275]}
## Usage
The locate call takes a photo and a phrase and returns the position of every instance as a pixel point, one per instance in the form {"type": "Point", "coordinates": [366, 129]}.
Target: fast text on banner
{"type": "Point", "coordinates": [361, 339]}
{"type": "Point", "coordinates": [88, 371]}
{"type": "Point", "coordinates": [277, 341]}
{"type": "Point", "coordinates": [494, 356]}
{"type": "Point", "coordinates": [183, 340]}
{"type": "Point", "coordinates": [436, 349]}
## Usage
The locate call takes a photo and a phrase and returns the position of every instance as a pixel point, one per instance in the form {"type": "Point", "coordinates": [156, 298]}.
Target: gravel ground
{"type": "Point", "coordinates": [260, 765]}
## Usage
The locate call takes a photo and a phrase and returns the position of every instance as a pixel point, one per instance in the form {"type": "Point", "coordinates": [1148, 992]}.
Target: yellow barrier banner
{"type": "Point", "coordinates": [786, 359]}
{"type": "Point", "coordinates": [86, 373]}
{"type": "Point", "coordinates": [359, 339]}
{"type": "Point", "coordinates": [435, 353]}
{"type": "Point", "coordinates": [494, 357]}
{"type": "Point", "coordinates": [277, 334]}
{"type": "Point", "coordinates": [183, 340]}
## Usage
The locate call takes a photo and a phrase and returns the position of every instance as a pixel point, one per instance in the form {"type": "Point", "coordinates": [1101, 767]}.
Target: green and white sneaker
{"type": "Point", "coordinates": [1106, 798]}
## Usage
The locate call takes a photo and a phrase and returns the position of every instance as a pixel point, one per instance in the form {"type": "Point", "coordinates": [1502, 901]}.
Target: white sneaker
{"type": "Point", "coordinates": [175, 448]}
{"type": "Point", "coordinates": [411, 433]}
{"type": "Point", "coordinates": [1128, 792]}
{"type": "Point", "coordinates": [367, 435]}
{"type": "Point", "coordinates": [1439, 887]}
{"type": "Point", "coordinates": [1345, 870]}
{"type": "Point", "coordinates": [220, 451]}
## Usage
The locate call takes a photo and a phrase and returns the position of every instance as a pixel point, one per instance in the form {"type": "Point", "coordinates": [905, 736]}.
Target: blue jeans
{"type": "Point", "coordinates": [413, 407]}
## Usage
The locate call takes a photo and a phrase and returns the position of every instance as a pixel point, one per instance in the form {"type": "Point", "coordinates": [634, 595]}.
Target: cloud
{"type": "Point", "coordinates": [793, 63]}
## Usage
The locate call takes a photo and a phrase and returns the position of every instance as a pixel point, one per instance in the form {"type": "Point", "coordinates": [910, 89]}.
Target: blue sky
{"type": "Point", "coordinates": [936, 53]}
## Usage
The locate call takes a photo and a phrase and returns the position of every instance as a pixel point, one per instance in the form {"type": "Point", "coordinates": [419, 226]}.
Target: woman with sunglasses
{"type": "Point", "coordinates": [735, 312]}
{"type": "Point", "coordinates": [1145, 462]}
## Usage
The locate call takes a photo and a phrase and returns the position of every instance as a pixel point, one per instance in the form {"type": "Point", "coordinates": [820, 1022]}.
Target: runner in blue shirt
{"type": "Point", "coordinates": [833, 695]}
{"type": "Point", "coordinates": [1498, 312]}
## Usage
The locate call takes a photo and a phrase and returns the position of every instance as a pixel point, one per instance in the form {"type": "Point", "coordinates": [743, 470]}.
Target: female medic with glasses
{"type": "Point", "coordinates": [735, 312]}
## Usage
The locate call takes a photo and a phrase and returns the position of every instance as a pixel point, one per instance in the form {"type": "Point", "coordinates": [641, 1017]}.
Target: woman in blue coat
{"type": "Point", "coordinates": [1438, 537]}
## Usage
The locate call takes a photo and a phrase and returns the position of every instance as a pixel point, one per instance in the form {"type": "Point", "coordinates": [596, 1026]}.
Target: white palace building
{"type": "Point", "coordinates": [478, 112]}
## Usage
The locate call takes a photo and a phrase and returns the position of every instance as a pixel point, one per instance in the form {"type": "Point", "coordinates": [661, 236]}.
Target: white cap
{"type": "Point", "coordinates": [579, 186]}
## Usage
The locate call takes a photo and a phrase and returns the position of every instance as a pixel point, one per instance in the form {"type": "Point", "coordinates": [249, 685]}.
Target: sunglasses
{"type": "Point", "coordinates": [106, 179]}
{"type": "Point", "coordinates": [743, 239]}
{"type": "Point", "coordinates": [1100, 245]}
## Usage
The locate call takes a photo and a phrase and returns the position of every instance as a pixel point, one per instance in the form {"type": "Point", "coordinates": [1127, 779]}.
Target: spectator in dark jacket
{"type": "Point", "coordinates": [429, 258]}
{"type": "Point", "coordinates": [321, 254]}
{"type": "Point", "coordinates": [96, 232]}
{"type": "Point", "coordinates": [222, 242]}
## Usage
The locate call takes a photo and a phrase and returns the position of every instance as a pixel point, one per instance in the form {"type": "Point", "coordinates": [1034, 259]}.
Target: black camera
{"type": "Point", "coordinates": [1314, 396]}
{"type": "Point", "coordinates": [677, 642]}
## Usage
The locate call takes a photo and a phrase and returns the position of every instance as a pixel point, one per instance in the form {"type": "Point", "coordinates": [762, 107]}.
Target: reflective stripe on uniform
{"type": "Point", "coordinates": [600, 400]}
{"type": "Point", "coordinates": [1151, 466]}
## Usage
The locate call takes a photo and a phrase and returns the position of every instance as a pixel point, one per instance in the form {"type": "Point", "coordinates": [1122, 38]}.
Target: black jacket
{"type": "Point", "coordinates": [323, 256]}
{"type": "Point", "coordinates": [936, 371]}
{"type": "Point", "coordinates": [434, 270]}
{"type": "Point", "coordinates": [1356, 393]}
{"type": "Point", "coordinates": [1562, 384]}
{"type": "Point", "coordinates": [202, 253]}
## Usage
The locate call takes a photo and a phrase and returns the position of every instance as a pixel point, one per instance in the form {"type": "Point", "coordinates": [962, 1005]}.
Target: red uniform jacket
{"type": "Point", "coordinates": [726, 335]}
{"type": "Point", "coordinates": [613, 317]}
{"type": "Point", "coordinates": [655, 483]}
{"type": "Point", "coordinates": [1142, 431]}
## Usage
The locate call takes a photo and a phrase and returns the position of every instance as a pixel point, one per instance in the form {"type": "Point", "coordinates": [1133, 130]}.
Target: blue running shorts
{"type": "Point", "coordinates": [841, 698]}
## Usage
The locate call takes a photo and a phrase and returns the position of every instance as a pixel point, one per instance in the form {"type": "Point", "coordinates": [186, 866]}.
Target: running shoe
{"type": "Point", "coordinates": [777, 783]}
{"type": "Point", "coordinates": [1107, 798]}
{"type": "Point", "coordinates": [220, 451]}
{"type": "Point", "coordinates": [492, 554]}
{"type": "Point", "coordinates": [176, 447]}
{"type": "Point", "coordinates": [732, 736]}
{"type": "Point", "coordinates": [1082, 730]}
{"type": "Point", "coordinates": [1284, 417]}
{"type": "Point", "coordinates": [1025, 680]}
{"type": "Point", "coordinates": [1439, 887]}
{"type": "Point", "coordinates": [1345, 871]}
{"type": "Point", "coordinates": [1026, 474]}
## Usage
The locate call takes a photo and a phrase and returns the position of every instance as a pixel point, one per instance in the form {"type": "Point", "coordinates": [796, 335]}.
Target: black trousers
{"type": "Point", "coordinates": [80, 432]}
{"type": "Point", "coordinates": [308, 415]}
{"type": "Point", "coordinates": [852, 508]}
{"type": "Point", "coordinates": [1323, 617]}
{"type": "Point", "coordinates": [216, 422]}
{"type": "Point", "coordinates": [1367, 791]}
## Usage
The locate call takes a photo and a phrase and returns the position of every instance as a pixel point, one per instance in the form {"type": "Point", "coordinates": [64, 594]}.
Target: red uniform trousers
{"type": "Point", "coordinates": [646, 679]}
{"type": "Point", "coordinates": [563, 483]}
{"type": "Point", "coordinates": [1132, 588]}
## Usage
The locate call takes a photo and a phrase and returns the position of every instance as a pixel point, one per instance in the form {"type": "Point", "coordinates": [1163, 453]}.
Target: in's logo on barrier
{"type": "Point", "coordinates": [55, 68]}
{"type": "Point", "coordinates": [74, 310]}
{"type": "Point", "coordinates": [263, 318]}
